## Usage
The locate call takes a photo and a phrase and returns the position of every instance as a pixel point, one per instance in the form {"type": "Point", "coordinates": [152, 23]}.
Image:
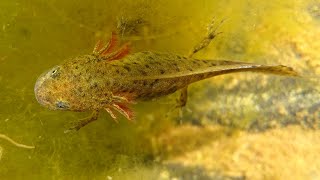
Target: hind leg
{"type": "Point", "coordinates": [182, 101]}
{"type": "Point", "coordinates": [211, 34]}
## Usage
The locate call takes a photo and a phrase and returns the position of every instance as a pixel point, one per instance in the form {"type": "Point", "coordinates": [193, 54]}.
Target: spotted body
{"type": "Point", "coordinates": [112, 80]}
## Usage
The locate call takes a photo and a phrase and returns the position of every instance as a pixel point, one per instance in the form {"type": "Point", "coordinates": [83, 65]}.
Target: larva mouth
{"type": "Point", "coordinates": [38, 92]}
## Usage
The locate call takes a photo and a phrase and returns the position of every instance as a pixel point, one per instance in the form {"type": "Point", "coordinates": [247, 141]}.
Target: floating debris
{"type": "Point", "coordinates": [2, 136]}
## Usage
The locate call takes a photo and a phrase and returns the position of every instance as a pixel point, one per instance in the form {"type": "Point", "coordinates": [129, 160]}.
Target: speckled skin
{"type": "Point", "coordinates": [97, 81]}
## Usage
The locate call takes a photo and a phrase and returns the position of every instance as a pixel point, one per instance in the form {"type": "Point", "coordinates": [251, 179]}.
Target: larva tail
{"type": "Point", "coordinates": [277, 70]}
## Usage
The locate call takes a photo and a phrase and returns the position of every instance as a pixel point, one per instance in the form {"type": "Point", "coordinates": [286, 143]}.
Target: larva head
{"type": "Point", "coordinates": [52, 89]}
{"type": "Point", "coordinates": [63, 86]}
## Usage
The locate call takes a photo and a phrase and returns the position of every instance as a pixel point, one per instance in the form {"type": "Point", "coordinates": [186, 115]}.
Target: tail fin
{"type": "Point", "coordinates": [220, 67]}
{"type": "Point", "coordinates": [226, 67]}
{"type": "Point", "coordinates": [277, 70]}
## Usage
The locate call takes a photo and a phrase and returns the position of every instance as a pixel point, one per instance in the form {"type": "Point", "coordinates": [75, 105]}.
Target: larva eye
{"type": "Point", "coordinates": [62, 105]}
{"type": "Point", "coordinates": [55, 72]}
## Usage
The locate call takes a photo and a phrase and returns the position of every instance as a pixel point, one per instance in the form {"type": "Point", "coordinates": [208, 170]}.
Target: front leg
{"type": "Point", "coordinates": [180, 104]}
{"type": "Point", "coordinates": [75, 126]}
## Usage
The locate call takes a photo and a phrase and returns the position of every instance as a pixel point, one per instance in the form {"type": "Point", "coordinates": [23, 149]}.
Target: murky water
{"type": "Point", "coordinates": [222, 113]}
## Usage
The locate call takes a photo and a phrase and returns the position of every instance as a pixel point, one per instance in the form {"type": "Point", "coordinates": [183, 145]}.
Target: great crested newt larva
{"type": "Point", "coordinates": [111, 79]}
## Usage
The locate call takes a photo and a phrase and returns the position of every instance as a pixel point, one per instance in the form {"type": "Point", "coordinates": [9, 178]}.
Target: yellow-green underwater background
{"type": "Point", "coordinates": [238, 126]}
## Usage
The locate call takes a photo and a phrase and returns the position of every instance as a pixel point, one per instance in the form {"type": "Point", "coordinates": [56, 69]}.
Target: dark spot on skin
{"type": "Point", "coordinates": [145, 83]}
{"type": "Point", "coordinates": [94, 85]}
{"type": "Point", "coordinates": [196, 62]}
{"type": "Point", "coordinates": [165, 60]}
{"type": "Point", "coordinates": [176, 66]}
{"type": "Point", "coordinates": [189, 69]}
{"type": "Point", "coordinates": [76, 67]}
{"type": "Point", "coordinates": [55, 88]}
{"type": "Point", "coordinates": [87, 58]}
{"type": "Point", "coordinates": [213, 63]}
{"type": "Point", "coordinates": [143, 72]}
{"type": "Point", "coordinates": [173, 88]}
{"type": "Point", "coordinates": [147, 66]}
{"type": "Point", "coordinates": [80, 90]}
{"type": "Point", "coordinates": [162, 71]}
{"type": "Point", "coordinates": [124, 90]}
{"type": "Point", "coordinates": [135, 63]}
{"type": "Point", "coordinates": [117, 71]}
{"type": "Point", "coordinates": [154, 82]}
{"type": "Point", "coordinates": [127, 68]}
